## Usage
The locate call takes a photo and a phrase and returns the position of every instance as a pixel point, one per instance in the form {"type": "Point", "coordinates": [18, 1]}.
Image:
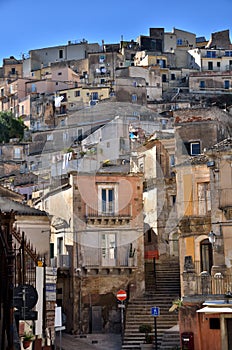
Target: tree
{"type": "Point", "coordinates": [10, 127]}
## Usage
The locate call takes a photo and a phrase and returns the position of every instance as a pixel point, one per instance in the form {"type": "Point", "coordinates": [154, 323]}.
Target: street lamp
{"type": "Point", "coordinates": [212, 237]}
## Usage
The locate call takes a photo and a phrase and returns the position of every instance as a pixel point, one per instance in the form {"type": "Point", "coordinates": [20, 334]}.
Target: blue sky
{"type": "Point", "coordinates": [27, 25]}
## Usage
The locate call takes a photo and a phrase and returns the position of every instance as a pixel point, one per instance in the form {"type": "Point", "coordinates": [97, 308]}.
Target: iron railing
{"type": "Point", "coordinates": [206, 284]}
{"type": "Point", "coordinates": [91, 211]}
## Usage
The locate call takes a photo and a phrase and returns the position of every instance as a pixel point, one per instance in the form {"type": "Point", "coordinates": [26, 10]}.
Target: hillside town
{"type": "Point", "coordinates": [116, 193]}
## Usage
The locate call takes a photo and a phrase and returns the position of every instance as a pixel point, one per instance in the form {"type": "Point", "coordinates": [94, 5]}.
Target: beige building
{"type": "Point", "coordinates": [152, 80]}
{"type": "Point", "coordinates": [156, 160]}
{"type": "Point", "coordinates": [97, 232]}
{"type": "Point", "coordinates": [83, 96]}
{"type": "Point", "coordinates": [12, 68]}
{"type": "Point", "coordinates": [210, 59]}
{"type": "Point", "coordinates": [203, 174]}
{"type": "Point", "coordinates": [211, 82]}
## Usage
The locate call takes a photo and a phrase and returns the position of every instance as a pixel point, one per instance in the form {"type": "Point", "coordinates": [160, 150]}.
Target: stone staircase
{"type": "Point", "coordinates": [162, 287]}
{"type": "Point", "coordinates": [171, 339]}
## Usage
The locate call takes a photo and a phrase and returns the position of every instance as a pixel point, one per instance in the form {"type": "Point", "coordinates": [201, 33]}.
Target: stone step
{"type": "Point", "coordinates": [170, 340]}
{"type": "Point", "coordinates": [162, 288]}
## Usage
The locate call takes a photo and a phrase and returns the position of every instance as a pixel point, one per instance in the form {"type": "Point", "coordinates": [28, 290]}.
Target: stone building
{"type": "Point", "coordinates": [97, 223]}
{"type": "Point", "coordinates": [202, 174]}
{"type": "Point", "coordinates": [155, 158]}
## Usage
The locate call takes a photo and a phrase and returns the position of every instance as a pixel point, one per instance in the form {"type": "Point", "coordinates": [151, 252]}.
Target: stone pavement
{"type": "Point", "coordinates": [88, 342]}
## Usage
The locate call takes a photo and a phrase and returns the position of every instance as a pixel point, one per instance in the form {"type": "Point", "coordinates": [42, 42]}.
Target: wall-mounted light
{"type": "Point", "coordinates": [212, 237]}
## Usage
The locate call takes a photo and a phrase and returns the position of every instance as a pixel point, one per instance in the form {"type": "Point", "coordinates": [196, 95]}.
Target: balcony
{"type": "Point", "coordinates": [205, 284]}
{"type": "Point", "coordinates": [62, 261]}
{"type": "Point", "coordinates": [96, 260]}
{"type": "Point", "coordinates": [94, 216]}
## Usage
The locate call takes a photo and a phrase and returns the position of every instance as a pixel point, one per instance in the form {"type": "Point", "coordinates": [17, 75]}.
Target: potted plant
{"type": "Point", "coordinates": [28, 337]}
{"type": "Point", "coordinates": [148, 339]}
{"type": "Point", "coordinates": [176, 304]}
{"type": "Point", "coordinates": [131, 255]}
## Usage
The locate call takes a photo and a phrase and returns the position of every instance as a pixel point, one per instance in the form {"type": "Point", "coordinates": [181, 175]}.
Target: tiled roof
{"type": "Point", "coordinates": [7, 205]}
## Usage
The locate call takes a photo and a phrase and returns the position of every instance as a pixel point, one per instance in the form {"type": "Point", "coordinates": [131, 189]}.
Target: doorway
{"type": "Point", "coordinates": [206, 256]}
{"type": "Point", "coordinates": [229, 332]}
{"type": "Point", "coordinates": [96, 319]}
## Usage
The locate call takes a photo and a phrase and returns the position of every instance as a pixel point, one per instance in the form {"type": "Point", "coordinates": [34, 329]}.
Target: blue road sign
{"type": "Point", "coordinates": [155, 311]}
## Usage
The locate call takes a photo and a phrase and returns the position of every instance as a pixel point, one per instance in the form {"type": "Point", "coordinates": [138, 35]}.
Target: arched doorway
{"type": "Point", "coordinates": [206, 255]}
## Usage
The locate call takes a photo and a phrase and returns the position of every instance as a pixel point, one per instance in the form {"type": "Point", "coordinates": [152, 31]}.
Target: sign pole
{"type": "Point", "coordinates": [121, 296]}
{"type": "Point", "coordinates": [155, 328]}
{"type": "Point", "coordinates": [155, 311]}
{"type": "Point", "coordinates": [122, 319]}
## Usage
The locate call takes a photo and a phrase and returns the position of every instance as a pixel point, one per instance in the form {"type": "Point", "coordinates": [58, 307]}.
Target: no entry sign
{"type": "Point", "coordinates": [121, 295]}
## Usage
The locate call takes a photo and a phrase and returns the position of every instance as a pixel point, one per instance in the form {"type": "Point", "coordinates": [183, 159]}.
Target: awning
{"type": "Point", "coordinates": [216, 310]}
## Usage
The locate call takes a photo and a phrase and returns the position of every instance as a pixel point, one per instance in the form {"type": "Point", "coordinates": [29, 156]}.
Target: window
{"type": "Point", "coordinates": [161, 63]}
{"type": "Point", "coordinates": [192, 148]}
{"type": "Point", "coordinates": [228, 53]}
{"type": "Point", "coordinates": [65, 134]}
{"type": "Point", "coordinates": [60, 245]}
{"type": "Point", "coordinates": [202, 84]}
{"type": "Point", "coordinates": [77, 93]}
{"type": "Point", "coordinates": [94, 95]}
{"type": "Point", "coordinates": [149, 236]}
{"type": "Point", "coordinates": [210, 65]}
{"type": "Point", "coordinates": [164, 78]}
{"type": "Point", "coordinates": [108, 249]}
{"type": "Point", "coordinates": [102, 58]}
{"type": "Point", "coordinates": [60, 73]}
{"type": "Point", "coordinates": [173, 76]}
{"type": "Point", "coordinates": [17, 153]}
{"type": "Point", "coordinates": [226, 84]}
{"type": "Point", "coordinates": [179, 42]}
{"type": "Point", "coordinates": [33, 88]}
{"type": "Point", "coordinates": [79, 134]}
{"type": "Point", "coordinates": [164, 123]}
{"type": "Point", "coordinates": [173, 200]}
{"type": "Point", "coordinates": [107, 199]}
{"type": "Point", "coordinates": [2, 92]}
{"type": "Point", "coordinates": [214, 323]}
{"type": "Point", "coordinates": [61, 53]}
{"type": "Point", "coordinates": [195, 148]}
{"type": "Point", "coordinates": [13, 71]}
{"type": "Point", "coordinates": [172, 160]}
{"type": "Point", "coordinates": [51, 250]}
{"type": "Point", "coordinates": [133, 97]}
{"type": "Point", "coordinates": [49, 137]}
{"type": "Point", "coordinates": [22, 110]}
{"type": "Point", "coordinates": [211, 54]}
{"type": "Point", "coordinates": [203, 194]}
